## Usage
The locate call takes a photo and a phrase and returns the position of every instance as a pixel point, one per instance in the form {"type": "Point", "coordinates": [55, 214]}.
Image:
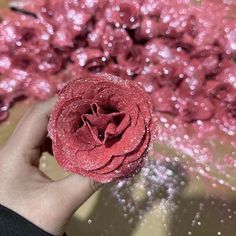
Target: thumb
{"type": "Point", "coordinates": [78, 189]}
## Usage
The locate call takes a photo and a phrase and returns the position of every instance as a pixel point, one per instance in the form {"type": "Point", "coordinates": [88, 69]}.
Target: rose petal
{"type": "Point", "coordinates": [67, 122]}
{"type": "Point", "coordinates": [96, 158]}
{"type": "Point", "coordinates": [111, 166]}
{"type": "Point", "coordinates": [82, 85]}
{"type": "Point", "coordinates": [140, 151]}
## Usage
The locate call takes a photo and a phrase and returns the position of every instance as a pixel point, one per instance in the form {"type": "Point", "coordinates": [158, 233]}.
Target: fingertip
{"type": "Point", "coordinates": [44, 107]}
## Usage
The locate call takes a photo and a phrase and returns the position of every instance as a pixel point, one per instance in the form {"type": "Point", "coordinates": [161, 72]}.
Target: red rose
{"type": "Point", "coordinates": [165, 74]}
{"type": "Point", "coordinates": [210, 64]}
{"type": "Point", "coordinates": [50, 12]}
{"type": "Point", "coordinates": [123, 14]}
{"type": "Point", "coordinates": [198, 108]}
{"type": "Point", "coordinates": [24, 34]}
{"type": "Point", "coordinates": [90, 58]}
{"type": "Point", "coordinates": [164, 100]}
{"type": "Point", "coordinates": [209, 57]}
{"type": "Point", "coordinates": [117, 70]}
{"type": "Point", "coordinates": [152, 7]}
{"type": "Point", "coordinates": [133, 61]}
{"type": "Point", "coordinates": [116, 42]}
{"type": "Point", "coordinates": [223, 95]}
{"type": "Point", "coordinates": [9, 89]}
{"type": "Point", "coordinates": [229, 40]}
{"type": "Point", "coordinates": [63, 38]}
{"type": "Point", "coordinates": [148, 81]}
{"type": "Point", "coordinates": [67, 17]}
{"type": "Point", "coordinates": [40, 88]}
{"type": "Point", "coordinates": [95, 37]}
{"type": "Point", "coordinates": [76, 16]}
{"type": "Point", "coordinates": [159, 51]}
{"type": "Point", "coordinates": [219, 90]}
{"type": "Point", "coordinates": [88, 6]}
{"type": "Point", "coordinates": [5, 63]}
{"type": "Point", "coordinates": [228, 75]}
{"type": "Point", "coordinates": [149, 29]}
{"type": "Point", "coordinates": [48, 62]}
{"type": "Point", "coordinates": [177, 18]}
{"type": "Point", "coordinates": [101, 127]}
{"type": "Point", "coordinates": [225, 116]}
{"type": "Point", "coordinates": [194, 79]}
{"type": "Point", "coordinates": [4, 36]}
{"type": "Point", "coordinates": [23, 61]}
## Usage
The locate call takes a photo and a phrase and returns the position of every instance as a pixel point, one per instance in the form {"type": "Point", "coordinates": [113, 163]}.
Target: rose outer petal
{"type": "Point", "coordinates": [114, 163]}
{"type": "Point", "coordinates": [93, 90]}
{"type": "Point", "coordinates": [77, 87]}
{"type": "Point", "coordinates": [144, 102]}
{"type": "Point", "coordinates": [140, 151]}
{"type": "Point", "coordinates": [126, 159]}
{"type": "Point", "coordinates": [120, 172]}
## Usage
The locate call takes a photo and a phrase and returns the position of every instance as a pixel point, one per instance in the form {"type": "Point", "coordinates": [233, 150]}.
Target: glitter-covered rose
{"type": "Point", "coordinates": [23, 34]}
{"type": "Point", "coordinates": [123, 14]}
{"type": "Point", "coordinates": [133, 61]}
{"type": "Point", "coordinates": [148, 29]}
{"type": "Point", "coordinates": [101, 127]}
{"type": "Point", "coordinates": [198, 108]}
{"type": "Point", "coordinates": [116, 42]}
{"type": "Point", "coordinates": [228, 75]}
{"type": "Point", "coordinates": [90, 58]}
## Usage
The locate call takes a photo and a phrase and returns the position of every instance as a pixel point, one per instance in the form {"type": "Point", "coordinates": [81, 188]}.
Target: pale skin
{"type": "Point", "coordinates": [25, 189]}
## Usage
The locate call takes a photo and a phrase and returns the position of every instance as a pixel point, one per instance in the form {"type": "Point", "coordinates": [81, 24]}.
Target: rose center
{"type": "Point", "coordinates": [27, 34]}
{"type": "Point", "coordinates": [101, 134]}
{"type": "Point", "coordinates": [109, 109]}
{"type": "Point", "coordinates": [22, 62]}
{"type": "Point", "coordinates": [104, 123]}
{"type": "Point", "coordinates": [221, 93]}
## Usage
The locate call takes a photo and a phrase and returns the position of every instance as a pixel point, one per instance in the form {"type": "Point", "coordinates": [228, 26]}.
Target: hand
{"type": "Point", "coordinates": [27, 190]}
